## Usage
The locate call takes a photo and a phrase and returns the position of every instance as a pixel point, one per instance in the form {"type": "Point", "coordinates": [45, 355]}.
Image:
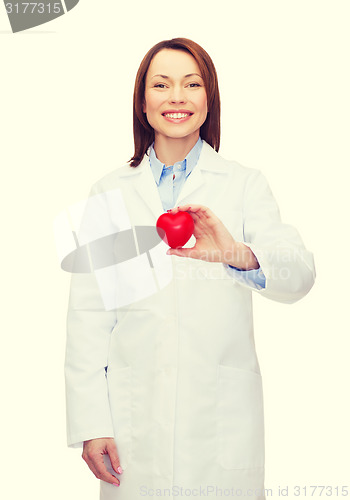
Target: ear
{"type": "Point", "coordinates": [144, 106]}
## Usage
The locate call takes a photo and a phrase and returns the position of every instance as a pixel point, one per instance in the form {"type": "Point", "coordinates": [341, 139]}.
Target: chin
{"type": "Point", "coordinates": [179, 134]}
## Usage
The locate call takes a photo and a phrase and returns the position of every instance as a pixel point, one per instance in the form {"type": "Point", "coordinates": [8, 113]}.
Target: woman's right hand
{"type": "Point", "coordinates": [93, 451]}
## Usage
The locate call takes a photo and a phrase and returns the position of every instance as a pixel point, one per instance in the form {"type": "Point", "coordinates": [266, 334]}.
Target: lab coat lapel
{"type": "Point", "coordinates": [208, 161]}
{"type": "Point", "coordinates": [147, 188]}
{"type": "Point", "coordinates": [195, 181]}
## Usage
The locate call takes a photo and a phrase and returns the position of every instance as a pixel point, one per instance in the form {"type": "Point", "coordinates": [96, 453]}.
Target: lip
{"type": "Point", "coordinates": [177, 111]}
{"type": "Point", "coordinates": [177, 120]}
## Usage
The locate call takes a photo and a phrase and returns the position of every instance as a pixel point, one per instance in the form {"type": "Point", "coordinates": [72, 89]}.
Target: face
{"type": "Point", "coordinates": [175, 98]}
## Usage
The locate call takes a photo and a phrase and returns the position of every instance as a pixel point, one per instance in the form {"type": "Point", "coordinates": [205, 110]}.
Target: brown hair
{"type": "Point", "coordinates": [209, 131]}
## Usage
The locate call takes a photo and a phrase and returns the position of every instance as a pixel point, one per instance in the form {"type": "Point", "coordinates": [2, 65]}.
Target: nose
{"type": "Point", "coordinates": [177, 95]}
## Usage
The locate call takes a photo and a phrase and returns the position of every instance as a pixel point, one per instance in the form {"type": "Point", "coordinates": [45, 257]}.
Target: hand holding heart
{"type": "Point", "coordinates": [175, 229]}
{"type": "Point", "coordinates": [214, 243]}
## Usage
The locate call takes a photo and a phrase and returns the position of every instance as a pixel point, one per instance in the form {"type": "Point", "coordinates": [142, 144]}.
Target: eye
{"type": "Point", "coordinates": [194, 84]}
{"type": "Point", "coordinates": [160, 85]}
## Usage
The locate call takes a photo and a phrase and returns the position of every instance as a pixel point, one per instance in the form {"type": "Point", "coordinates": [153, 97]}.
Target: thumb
{"type": "Point", "coordinates": [114, 457]}
{"type": "Point", "coordinates": [182, 252]}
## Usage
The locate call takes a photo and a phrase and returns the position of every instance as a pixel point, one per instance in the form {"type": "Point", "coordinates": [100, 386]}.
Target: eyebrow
{"type": "Point", "coordinates": [186, 76]}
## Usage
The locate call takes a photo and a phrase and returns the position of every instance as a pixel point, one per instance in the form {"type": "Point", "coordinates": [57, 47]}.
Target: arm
{"type": "Point", "coordinates": [254, 278]}
{"type": "Point", "coordinates": [287, 265]}
{"type": "Point", "coordinates": [270, 245]}
{"type": "Point", "coordinates": [89, 327]}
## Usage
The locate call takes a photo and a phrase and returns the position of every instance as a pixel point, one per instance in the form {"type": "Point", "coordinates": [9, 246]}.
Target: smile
{"type": "Point", "coordinates": [177, 116]}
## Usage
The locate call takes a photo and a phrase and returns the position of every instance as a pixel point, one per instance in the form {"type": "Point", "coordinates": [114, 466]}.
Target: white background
{"type": "Point", "coordinates": [66, 120]}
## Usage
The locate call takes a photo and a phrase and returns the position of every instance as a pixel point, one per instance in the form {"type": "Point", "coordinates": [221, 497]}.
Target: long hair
{"type": "Point", "coordinates": [209, 131]}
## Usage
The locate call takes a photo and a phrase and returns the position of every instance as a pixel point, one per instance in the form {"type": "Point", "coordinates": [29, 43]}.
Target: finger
{"type": "Point", "coordinates": [193, 212]}
{"type": "Point", "coordinates": [90, 465]}
{"type": "Point", "coordinates": [205, 213]}
{"type": "Point", "coordinates": [200, 211]}
{"type": "Point", "coordinates": [114, 457]}
{"type": "Point", "coordinates": [101, 470]}
{"type": "Point", "coordinates": [185, 208]}
{"type": "Point", "coordinates": [196, 216]}
{"type": "Point", "coordinates": [183, 252]}
{"type": "Point", "coordinates": [175, 210]}
{"type": "Point", "coordinates": [99, 475]}
{"type": "Point", "coordinates": [207, 217]}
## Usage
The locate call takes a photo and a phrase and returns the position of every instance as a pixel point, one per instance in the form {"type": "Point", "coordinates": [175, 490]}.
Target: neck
{"type": "Point", "coordinates": [169, 150]}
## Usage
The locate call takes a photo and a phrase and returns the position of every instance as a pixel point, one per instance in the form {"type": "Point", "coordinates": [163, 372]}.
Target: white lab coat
{"type": "Point", "coordinates": [183, 391]}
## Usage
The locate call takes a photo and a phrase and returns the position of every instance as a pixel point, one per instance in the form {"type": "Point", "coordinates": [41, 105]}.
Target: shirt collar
{"type": "Point", "coordinates": [189, 162]}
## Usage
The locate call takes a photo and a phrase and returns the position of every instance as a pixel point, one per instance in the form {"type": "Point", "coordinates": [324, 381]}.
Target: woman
{"type": "Point", "coordinates": [165, 395]}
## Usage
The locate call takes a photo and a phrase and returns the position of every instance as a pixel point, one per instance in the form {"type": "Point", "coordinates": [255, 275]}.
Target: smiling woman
{"type": "Point", "coordinates": [175, 102]}
{"type": "Point", "coordinates": [166, 393]}
{"type": "Point", "coordinates": [175, 76]}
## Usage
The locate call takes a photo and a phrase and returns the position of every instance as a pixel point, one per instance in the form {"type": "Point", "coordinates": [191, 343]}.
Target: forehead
{"type": "Point", "coordinates": [173, 63]}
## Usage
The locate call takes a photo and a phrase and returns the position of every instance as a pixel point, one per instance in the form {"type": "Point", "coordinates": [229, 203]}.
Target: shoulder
{"type": "Point", "coordinates": [235, 169]}
{"type": "Point", "coordinates": [114, 179]}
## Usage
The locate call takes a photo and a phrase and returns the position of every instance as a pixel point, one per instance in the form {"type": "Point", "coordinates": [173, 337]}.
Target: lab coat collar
{"type": "Point", "coordinates": [188, 163]}
{"type": "Point", "coordinates": [209, 160]}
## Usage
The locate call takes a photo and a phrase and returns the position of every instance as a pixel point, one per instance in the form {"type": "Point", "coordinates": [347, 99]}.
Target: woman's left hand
{"type": "Point", "coordinates": [214, 243]}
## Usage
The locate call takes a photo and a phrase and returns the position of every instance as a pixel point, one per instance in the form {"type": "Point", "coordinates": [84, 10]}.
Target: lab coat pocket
{"type": "Point", "coordinates": [240, 418]}
{"type": "Point", "coordinates": [119, 392]}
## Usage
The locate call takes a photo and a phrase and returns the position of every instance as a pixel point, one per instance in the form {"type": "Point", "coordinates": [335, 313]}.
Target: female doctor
{"type": "Point", "coordinates": [165, 395]}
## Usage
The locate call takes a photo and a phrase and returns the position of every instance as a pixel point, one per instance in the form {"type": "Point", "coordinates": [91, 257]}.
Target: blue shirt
{"type": "Point", "coordinates": [170, 181]}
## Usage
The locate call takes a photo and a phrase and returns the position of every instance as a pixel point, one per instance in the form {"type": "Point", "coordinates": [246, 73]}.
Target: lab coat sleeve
{"type": "Point", "coordinates": [254, 278]}
{"type": "Point", "coordinates": [89, 328]}
{"type": "Point", "coordinates": [287, 265]}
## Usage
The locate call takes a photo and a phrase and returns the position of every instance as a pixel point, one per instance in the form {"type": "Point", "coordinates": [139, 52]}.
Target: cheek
{"type": "Point", "coordinates": [152, 103]}
{"type": "Point", "coordinates": [202, 103]}
{"type": "Point", "coordinates": [147, 103]}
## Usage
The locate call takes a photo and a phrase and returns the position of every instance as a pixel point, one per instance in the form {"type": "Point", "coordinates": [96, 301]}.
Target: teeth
{"type": "Point", "coordinates": [176, 115]}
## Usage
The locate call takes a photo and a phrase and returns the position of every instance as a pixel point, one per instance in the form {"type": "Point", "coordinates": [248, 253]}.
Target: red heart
{"type": "Point", "coordinates": [175, 229]}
